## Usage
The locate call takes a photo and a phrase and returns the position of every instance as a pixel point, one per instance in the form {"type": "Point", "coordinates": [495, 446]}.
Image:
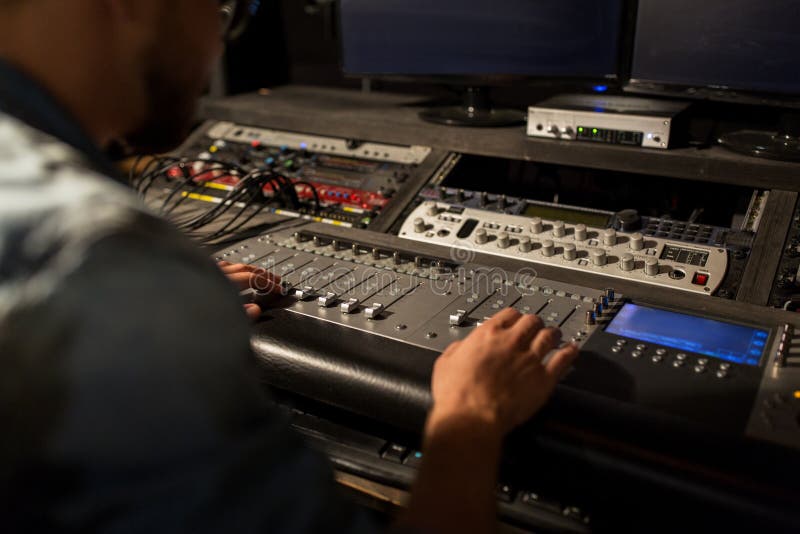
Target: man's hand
{"type": "Point", "coordinates": [483, 387]}
{"type": "Point", "coordinates": [496, 375]}
{"type": "Point", "coordinates": [266, 285]}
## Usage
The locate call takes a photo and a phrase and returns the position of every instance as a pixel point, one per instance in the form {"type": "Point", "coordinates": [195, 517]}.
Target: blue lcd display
{"type": "Point", "coordinates": [727, 341]}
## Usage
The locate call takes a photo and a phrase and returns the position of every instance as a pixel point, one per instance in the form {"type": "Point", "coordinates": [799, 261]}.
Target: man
{"type": "Point", "coordinates": [128, 397]}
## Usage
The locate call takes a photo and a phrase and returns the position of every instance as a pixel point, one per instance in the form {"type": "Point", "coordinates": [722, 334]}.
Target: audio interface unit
{"type": "Point", "coordinates": [597, 249]}
{"type": "Point", "coordinates": [619, 120]}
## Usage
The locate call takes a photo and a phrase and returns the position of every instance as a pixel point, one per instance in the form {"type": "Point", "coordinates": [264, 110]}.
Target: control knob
{"type": "Point", "coordinates": [548, 248]}
{"type": "Point", "coordinates": [419, 225]}
{"type": "Point", "coordinates": [627, 262]}
{"type": "Point", "coordinates": [502, 240]}
{"type": "Point", "coordinates": [536, 225]}
{"type": "Point", "coordinates": [570, 252]}
{"type": "Point", "coordinates": [627, 221]}
{"type": "Point", "coordinates": [637, 241]}
{"type": "Point", "coordinates": [599, 257]}
{"type": "Point", "coordinates": [558, 229]}
{"type": "Point", "coordinates": [580, 232]}
{"type": "Point", "coordinates": [609, 237]}
{"type": "Point", "coordinates": [481, 237]}
{"type": "Point", "coordinates": [433, 210]}
{"type": "Point", "coordinates": [525, 244]}
{"type": "Point", "coordinates": [651, 267]}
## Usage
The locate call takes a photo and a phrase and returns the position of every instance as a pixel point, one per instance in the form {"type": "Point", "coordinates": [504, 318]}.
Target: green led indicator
{"type": "Point", "coordinates": [594, 131]}
{"type": "Point", "coordinates": [580, 129]}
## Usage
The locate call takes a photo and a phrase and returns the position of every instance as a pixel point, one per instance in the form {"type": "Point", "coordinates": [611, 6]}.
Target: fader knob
{"type": "Point", "coordinates": [481, 237]}
{"type": "Point", "coordinates": [558, 229]}
{"type": "Point", "coordinates": [599, 257]}
{"type": "Point", "coordinates": [609, 237]}
{"type": "Point", "coordinates": [525, 244]}
{"type": "Point", "coordinates": [548, 248]}
{"type": "Point", "coordinates": [580, 232]}
{"type": "Point", "coordinates": [536, 225]}
{"type": "Point", "coordinates": [502, 240]}
{"type": "Point", "coordinates": [570, 252]}
{"type": "Point", "coordinates": [419, 225]}
{"type": "Point", "coordinates": [637, 241]}
{"type": "Point", "coordinates": [651, 267]}
{"type": "Point", "coordinates": [627, 262]}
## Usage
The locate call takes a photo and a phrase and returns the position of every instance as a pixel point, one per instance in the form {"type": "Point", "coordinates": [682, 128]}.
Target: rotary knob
{"type": "Point", "coordinates": [599, 257]}
{"type": "Point", "coordinates": [481, 237]}
{"type": "Point", "coordinates": [609, 237]}
{"type": "Point", "coordinates": [627, 263]}
{"type": "Point", "coordinates": [536, 225]}
{"type": "Point", "coordinates": [558, 229]}
{"type": "Point", "coordinates": [580, 232]}
{"type": "Point", "coordinates": [419, 225]}
{"type": "Point", "coordinates": [502, 240]}
{"type": "Point", "coordinates": [525, 244]}
{"type": "Point", "coordinates": [637, 241]}
{"type": "Point", "coordinates": [570, 252]}
{"type": "Point", "coordinates": [627, 221]}
{"type": "Point", "coordinates": [433, 210]}
{"type": "Point", "coordinates": [651, 267]}
{"type": "Point", "coordinates": [548, 248]}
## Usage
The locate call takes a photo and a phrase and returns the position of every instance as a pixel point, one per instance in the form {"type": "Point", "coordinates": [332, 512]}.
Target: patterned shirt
{"type": "Point", "coordinates": [129, 398]}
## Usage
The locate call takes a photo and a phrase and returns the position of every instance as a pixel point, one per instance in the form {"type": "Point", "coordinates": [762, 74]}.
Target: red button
{"type": "Point", "coordinates": [700, 279]}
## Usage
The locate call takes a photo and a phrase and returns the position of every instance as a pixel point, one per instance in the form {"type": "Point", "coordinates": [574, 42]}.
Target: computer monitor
{"type": "Point", "coordinates": [474, 43]}
{"type": "Point", "coordinates": [724, 50]}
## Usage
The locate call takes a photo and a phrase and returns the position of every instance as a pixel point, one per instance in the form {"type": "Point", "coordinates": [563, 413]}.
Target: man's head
{"type": "Point", "coordinates": [126, 69]}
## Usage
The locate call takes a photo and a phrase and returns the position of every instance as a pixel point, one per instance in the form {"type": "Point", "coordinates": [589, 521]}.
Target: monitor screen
{"type": "Point", "coordinates": [728, 341]}
{"type": "Point", "coordinates": [743, 45]}
{"type": "Point", "coordinates": [547, 38]}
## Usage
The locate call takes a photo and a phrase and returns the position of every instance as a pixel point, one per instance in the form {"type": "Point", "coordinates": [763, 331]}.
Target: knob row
{"type": "Point", "coordinates": [504, 240]}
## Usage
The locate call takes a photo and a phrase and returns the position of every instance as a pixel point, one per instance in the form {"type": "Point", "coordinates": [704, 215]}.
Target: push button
{"type": "Point", "coordinates": [700, 279]}
{"type": "Point", "coordinates": [394, 453]}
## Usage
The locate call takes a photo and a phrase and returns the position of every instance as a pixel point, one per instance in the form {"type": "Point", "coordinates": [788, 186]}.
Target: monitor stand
{"type": "Point", "coordinates": [783, 145]}
{"type": "Point", "coordinates": [476, 110]}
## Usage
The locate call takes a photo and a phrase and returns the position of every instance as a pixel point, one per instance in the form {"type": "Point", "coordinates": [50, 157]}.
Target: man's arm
{"type": "Point", "coordinates": [483, 387]}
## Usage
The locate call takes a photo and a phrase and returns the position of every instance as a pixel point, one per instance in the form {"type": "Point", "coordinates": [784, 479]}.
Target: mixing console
{"type": "Point", "coordinates": [646, 355]}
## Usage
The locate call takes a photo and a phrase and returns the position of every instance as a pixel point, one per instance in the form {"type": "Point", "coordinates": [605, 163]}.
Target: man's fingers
{"type": "Point", "coordinates": [241, 280]}
{"type": "Point", "coordinates": [561, 361]}
{"type": "Point", "coordinates": [265, 282]}
{"type": "Point", "coordinates": [253, 311]}
{"type": "Point", "coordinates": [230, 268]}
{"type": "Point", "coordinates": [525, 330]}
{"type": "Point", "coordinates": [504, 319]}
{"type": "Point", "coordinates": [546, 340]}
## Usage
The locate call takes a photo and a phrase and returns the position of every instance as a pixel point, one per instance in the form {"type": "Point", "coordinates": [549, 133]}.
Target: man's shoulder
{"type": "Point", "coordinates": [54, 209]}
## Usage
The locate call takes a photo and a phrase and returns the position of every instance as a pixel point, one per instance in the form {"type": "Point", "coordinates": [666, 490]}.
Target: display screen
{"type": "Point", "coordinates": [739, 44]}
{"type": "Point", "coordinates": [553, 38]}
{"type": "Point", "coordinates": [727, 341]}
{"type": "Point", "coordinates": [571, 216]}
